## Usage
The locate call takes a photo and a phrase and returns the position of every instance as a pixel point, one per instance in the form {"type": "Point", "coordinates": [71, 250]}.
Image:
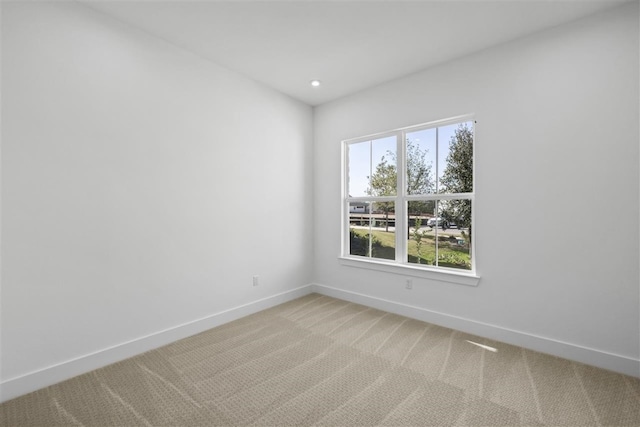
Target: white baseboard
{"type": "Point", "coordinates": [613, 362]}
{"type": "Point", "coordinates": [36, 380]}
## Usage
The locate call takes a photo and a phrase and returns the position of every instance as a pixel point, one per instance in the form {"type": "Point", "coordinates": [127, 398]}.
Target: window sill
{"type": "Point", "coordinates": [451, 276]}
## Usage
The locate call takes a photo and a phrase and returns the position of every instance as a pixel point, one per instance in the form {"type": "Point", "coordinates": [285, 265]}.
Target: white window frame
{"type": "Point", "coordinates": [400, 265]}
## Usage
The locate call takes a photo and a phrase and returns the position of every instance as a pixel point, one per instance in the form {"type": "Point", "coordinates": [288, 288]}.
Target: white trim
{"type": "Point", "coordinates": [442, 274]}
{"type": "Point", "coordinates": [473, 234]}
{"type": "Point", "coordinates": [413, 128]}
{"type": "Point", "coordinates": [36, 380]}
{"type": "Point", "coordinates": [613, 362]}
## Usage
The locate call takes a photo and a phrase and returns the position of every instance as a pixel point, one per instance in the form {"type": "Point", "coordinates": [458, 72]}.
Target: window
{"type": "Point", "coordinates": [420, 218]}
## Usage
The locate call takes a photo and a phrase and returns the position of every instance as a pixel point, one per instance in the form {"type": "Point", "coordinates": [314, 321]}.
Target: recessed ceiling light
{"type": "Point", "coordinates": [315, 83]}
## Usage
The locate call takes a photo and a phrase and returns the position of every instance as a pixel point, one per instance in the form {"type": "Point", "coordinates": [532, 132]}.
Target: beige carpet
{"type": "Point", "coordinates": [322, 361]}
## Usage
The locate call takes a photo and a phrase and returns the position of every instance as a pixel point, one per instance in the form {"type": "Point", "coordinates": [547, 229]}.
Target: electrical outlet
{"type": "Point", "coordinates": [408, 284]}
{"type": "Point", "coordinates": [256, 280]}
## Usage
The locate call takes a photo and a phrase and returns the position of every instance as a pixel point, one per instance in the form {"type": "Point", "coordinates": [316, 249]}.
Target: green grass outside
{"type": "Point", "coordinates": [449, 253]}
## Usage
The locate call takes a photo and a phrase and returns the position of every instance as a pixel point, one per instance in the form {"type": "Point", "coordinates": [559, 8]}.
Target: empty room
{"type": "Point", "coordinates": [346, 213]}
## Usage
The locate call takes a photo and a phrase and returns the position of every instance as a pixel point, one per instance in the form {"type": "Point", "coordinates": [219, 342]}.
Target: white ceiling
{"type": "Point", "coordinates": [348, 45]}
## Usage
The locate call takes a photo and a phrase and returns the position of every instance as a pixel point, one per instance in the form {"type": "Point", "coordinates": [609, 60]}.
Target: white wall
{"type": "Point", "coordinates": [142, 187]}
{"type": "Point", "coordinates": [557, 190]}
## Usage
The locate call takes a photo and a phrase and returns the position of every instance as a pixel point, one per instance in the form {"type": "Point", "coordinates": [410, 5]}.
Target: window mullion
{"type": "Point", "coordinates": [372, 199]}
{"type": "Point", "coordinates": [443, 196]}
{"type": "Point", "coordinates": [401, 205]}
{"type": "Point", "coordinates": [437, 188]}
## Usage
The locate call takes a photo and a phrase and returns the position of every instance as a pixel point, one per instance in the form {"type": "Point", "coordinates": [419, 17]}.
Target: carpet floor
{"type": "Point", "coordinates": [322, 361]}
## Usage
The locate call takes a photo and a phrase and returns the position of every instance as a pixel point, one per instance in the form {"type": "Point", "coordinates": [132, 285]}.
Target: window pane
{"type": "Point", "coordinates": [359, 155]}
{"type": "Point", "coordinates": [383, 230]}
{"type": "Point", "coordinates": [421, 161]}
{"type": "Point", "coordinates": [372, 168]}
{"type": "Point", "coordinates": [455, 158]}
{"type": "Point", "coordinates": [454, 234]}
{"type": "Point", "coordinates": [421, 245]}
{"type": "Point", "coordinates": [359, 228]}
{"type": "Point", "coordinates": [372, 230]}
{"type": "Point", "coordinates": [384, 177]}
